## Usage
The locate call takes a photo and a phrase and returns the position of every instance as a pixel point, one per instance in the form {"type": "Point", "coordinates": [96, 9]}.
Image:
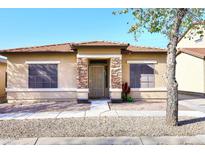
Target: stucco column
{"type": "Point", "coordinates": [82, 80]}
{"type": "Point", "coordinates": [116, 79]}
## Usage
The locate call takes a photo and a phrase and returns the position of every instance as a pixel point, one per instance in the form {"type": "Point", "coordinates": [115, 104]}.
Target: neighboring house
{"type": "Point", "coordinates": [3, 61]}
{"type": "Point", "coordinates": [190, 70]}
{"type": "Point", "coordinates": [84, 71]}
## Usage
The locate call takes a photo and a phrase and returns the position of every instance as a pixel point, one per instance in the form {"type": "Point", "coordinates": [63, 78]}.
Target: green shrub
{"type": "Point", "coordinates": [130, 99]}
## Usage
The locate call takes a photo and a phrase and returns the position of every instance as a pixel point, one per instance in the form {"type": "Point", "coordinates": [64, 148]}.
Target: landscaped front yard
{"type": "Point", "coordinates": [99, 125]}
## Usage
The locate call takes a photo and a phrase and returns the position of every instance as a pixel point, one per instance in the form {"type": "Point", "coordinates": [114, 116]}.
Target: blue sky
{"type": "Point", "coordinates": [30, 27]}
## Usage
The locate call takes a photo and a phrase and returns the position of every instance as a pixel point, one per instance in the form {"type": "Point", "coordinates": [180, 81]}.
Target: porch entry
{"type": "Point", "coordinates": [98, 79]}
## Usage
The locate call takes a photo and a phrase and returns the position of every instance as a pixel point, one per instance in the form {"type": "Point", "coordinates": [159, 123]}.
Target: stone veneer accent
{"type": "Point", "coordinates": [82, 73]}
{"type": "Point", "coordinates": [116, 72]}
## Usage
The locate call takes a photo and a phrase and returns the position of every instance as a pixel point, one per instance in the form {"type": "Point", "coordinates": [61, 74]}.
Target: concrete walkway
{"type": "Point", "coordinates": [94, 113]}
{"type": "Point", "coordinates": [146, 140]}
{"type": "Point", "coordinates": [99, 105]}
{"type": "Point", "coordinates": [101, 108]}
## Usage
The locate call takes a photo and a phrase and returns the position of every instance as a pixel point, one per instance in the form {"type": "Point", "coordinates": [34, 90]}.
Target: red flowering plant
{"type": "Point", "coordinates": [125, 93]}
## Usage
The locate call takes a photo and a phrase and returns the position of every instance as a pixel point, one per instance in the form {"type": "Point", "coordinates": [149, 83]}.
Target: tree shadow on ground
{"type": "Point", "coordinates": [191, 121]}
{"type": "Point", "coordinates": [43, 107]}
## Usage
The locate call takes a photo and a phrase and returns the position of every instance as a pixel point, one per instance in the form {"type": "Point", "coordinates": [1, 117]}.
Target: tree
{"type": "Point", "coordinates": [172, 23]}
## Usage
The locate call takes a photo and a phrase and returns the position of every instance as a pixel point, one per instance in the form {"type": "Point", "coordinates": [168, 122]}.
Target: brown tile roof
{"type": "Point", "coordinates": [198, 52]}
{"type": "Point", "coordinates": [66, 47]}
{"type": "Point", "coordinates": [135, 49]}
{"type": "Point", "coordinates": [100, 43]}
{"type": "Point", "coordinates": [70, 47]}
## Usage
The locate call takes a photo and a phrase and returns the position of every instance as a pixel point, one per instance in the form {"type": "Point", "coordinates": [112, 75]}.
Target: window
{"type": "Point", "coordinates": [43, 76]}
{"type": "Point", "coordinates": [142, 76]}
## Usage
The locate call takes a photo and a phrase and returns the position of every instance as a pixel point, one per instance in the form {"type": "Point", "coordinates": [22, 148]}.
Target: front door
{"type": "Point", "coordinates": [96, 81]}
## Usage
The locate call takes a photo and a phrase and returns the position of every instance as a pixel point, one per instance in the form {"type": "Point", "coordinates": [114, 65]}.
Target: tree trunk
{"type": "Point", "coordinates": [172, 86]}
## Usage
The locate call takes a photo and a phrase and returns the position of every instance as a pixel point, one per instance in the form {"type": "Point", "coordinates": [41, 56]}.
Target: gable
{"type": "Point", "coordinates": [195, 42]}
{"type": "Point", "coordinates": [196, 52]}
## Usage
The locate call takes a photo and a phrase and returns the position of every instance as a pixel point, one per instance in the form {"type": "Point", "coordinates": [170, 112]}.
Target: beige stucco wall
{"type": "Point", "coordinates": [160, 74]}
{"type": "Point", "coordinates": [195, 42]}
{"type": "Point", "coordinates": [2, 78]}
{"type": "Point", "coordinates": [190, 73]}
{"type": "Point", "coordinates": [17, 76]}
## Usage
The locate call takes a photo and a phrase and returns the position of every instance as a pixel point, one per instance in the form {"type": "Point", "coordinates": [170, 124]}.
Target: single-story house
{"type": "Point", "coordinates": [190, 68]}
{"type": "Point", "coordinates": [83, 71]}
{"type": "Point", "coordinates": [3, 61]}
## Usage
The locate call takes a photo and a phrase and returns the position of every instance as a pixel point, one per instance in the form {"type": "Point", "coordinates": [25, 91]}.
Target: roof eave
{"type": "Point", "coordinates": [141, 51]}
{"type": "Point", "coordinates": [76, 46]}
{"type": "Point", "coordinates": [27, 51]}
{"type": "Point", "coordinates": [190, 53]}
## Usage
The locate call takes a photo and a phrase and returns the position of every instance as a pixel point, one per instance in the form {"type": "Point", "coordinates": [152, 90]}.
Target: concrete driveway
{"type": "Point", "coordinates": [193, 102]}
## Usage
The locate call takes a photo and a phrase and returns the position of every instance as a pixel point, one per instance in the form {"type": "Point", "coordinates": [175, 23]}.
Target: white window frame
{"type": "Point", "coordinates": [142, 62]}
{"type": "Point", "coordinates": [43, 62]}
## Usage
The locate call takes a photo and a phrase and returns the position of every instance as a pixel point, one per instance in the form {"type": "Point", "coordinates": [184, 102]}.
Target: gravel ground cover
{"type": "Point", "coordinates": [103, 126]}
